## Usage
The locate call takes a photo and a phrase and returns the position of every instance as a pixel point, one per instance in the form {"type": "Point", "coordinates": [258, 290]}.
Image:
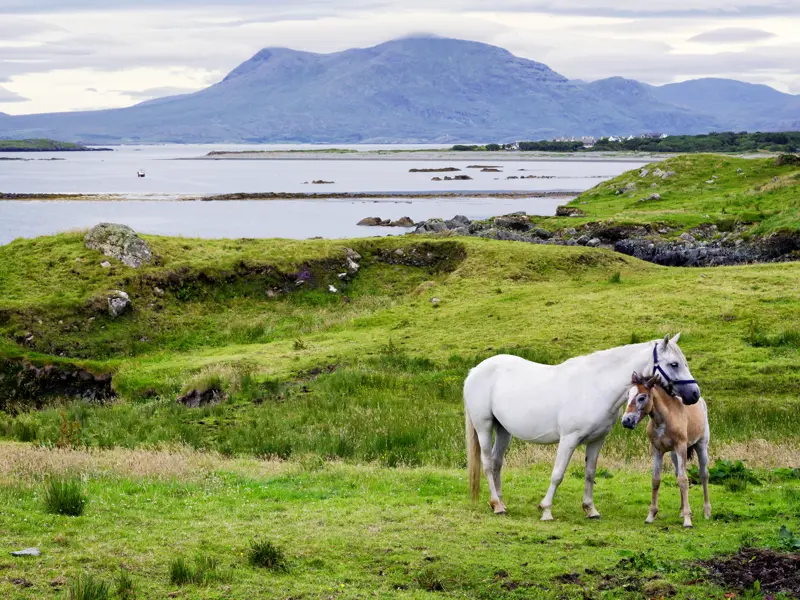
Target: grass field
{"type": "Point", "coordinates": [341, 436]}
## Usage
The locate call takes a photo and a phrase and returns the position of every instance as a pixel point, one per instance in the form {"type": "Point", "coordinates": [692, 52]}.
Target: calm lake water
{"type": "Point", "coordinates": [148, 209]}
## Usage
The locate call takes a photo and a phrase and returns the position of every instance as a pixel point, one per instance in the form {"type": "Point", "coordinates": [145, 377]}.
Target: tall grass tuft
{"type": "Point", "coordinates": [615, 278]}
{"type": "Point", "coordinates": [64, 496]}
{"type": "Point", "coordinates": [265, 554]}
{"type": "Point", "coordinates": [204, 571]}
{"type": "Point", "coordinates": [125, 588]}
{"type": "Point", "coordinates": [787, 338]}
{"type": "Point", "coordinates": [429, 580]}
{"type": "Point", "coordinates": [86, 587]}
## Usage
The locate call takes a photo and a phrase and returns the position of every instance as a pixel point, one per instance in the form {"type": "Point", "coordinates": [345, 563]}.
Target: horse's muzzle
{"type": "Point", "coordinates": [629, 421]}
{"type": "Point", "coordinates": [689, 393]}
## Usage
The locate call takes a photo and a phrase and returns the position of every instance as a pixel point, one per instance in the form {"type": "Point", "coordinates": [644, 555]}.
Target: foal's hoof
{"type": "Point", "coordinates": [591, 512]}
{"type": "Point", "coordinates": [498, 507]}
{"type": "Point", "coordinates": [688, 525]}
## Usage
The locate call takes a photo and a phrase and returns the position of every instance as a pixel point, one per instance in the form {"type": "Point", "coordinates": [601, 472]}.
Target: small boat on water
{"type": "Point", "coordinates": [140, 173]}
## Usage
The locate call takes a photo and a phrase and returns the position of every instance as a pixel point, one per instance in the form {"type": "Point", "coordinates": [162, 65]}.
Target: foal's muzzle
{"type": "Point", "coordinates": [629, 421]}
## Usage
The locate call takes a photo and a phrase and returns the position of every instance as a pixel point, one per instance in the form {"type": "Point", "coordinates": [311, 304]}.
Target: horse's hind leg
{"type": "Point", "coordinates": [501, 441]}
{"type": "Point", "coordinates": [566, 447]}
{"type": "Point", "coordinates": [702, 462]}
{"type": "Point", "coordinates": [592, 452]}
{"type": "Point", "coordinates": [485, 441]}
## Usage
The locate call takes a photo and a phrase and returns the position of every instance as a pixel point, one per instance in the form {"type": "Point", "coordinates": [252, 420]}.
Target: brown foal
{"type": "Point", "coordinates": [675, 428]}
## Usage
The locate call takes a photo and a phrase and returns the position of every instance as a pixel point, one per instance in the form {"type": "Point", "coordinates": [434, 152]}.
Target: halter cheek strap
{"type": "Point", "coordinates": [657, 369]}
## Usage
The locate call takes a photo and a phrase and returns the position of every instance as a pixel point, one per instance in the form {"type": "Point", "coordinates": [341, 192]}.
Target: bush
{"type": "Point", "coordinates": [64, 497]}
{"type": "Point", "coordinates": [264, 554]}
{"type": "Point", "coordinates": [85, 587]}
{"type": "Point", "coordinates": [732, 474]}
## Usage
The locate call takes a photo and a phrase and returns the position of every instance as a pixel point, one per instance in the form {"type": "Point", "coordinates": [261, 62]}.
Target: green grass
{"type": "Point", "coordinates": [363, 531]}
{"type": "Point", "coordinates": [64, 496]}
{"type": "Point", "coordinates": [263, 553]}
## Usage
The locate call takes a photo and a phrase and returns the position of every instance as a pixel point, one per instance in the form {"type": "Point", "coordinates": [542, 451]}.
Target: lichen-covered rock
{"type": "Point", "coordinates": [120, 242]}
{"type": "Point", "coordinates": [118, 303]}
{"type": "Point", "coordinates": [569, 211]}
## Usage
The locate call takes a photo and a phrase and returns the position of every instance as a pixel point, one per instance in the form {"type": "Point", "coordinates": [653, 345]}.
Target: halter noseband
{"type": "Point", "coordinates": [657, 369]}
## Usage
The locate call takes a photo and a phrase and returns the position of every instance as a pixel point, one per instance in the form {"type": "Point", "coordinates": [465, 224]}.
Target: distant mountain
{"type": "Point", "coordinates": [419, 89]}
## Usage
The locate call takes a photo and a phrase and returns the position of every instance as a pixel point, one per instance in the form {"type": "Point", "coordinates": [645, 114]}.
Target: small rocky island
{"type": "Point", "coordinates": [45, 145]}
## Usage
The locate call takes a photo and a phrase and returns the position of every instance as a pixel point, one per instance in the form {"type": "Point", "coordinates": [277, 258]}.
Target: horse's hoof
{"type": "Point", "coordinates": [687, 526]}
{"type": "Point", "coordinates": [594, 516]}
{"type": "Point", "coordinates": [498, 507]}
{"type": "Point", "coordinates": [546, 516]}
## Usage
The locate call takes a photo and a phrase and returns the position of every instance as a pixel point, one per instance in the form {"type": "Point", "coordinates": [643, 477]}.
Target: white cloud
{"type": "Point", "coordinates": [57, 51]}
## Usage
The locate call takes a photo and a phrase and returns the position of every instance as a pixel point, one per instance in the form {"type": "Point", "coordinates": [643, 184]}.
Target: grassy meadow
{"type": "Point", "coordinates": [339, 445]}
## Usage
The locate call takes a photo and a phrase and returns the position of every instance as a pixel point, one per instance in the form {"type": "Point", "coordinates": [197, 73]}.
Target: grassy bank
{"type": "Point", "coordinates": [42, 145]}
{"type": "Point", "coordinates": [417, 533]}
{"type": "Point", "coordinates": [706, 189]}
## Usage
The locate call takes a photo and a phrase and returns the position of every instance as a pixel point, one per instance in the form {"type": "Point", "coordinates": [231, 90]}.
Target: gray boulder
{"type": "Point", "coordinates": [516, 222]}
{"type": "Point", "coordinates": [120, 242]}
{"type": "Point", "coordinates": [458, 221]}
{"type": "Point", "coordinates": [118, 303]}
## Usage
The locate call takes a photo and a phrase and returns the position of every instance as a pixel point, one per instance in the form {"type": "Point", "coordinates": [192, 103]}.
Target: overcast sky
{"type": "Point", "coordinates": [58, 55]}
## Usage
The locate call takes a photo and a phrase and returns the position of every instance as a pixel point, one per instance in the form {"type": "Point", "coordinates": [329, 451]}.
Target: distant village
{"type": "Point", "coordinates": [590, 141]}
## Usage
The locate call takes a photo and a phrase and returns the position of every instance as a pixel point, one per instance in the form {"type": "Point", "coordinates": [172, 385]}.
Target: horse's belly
{"type": "Point", "coordinates": [536, 423]}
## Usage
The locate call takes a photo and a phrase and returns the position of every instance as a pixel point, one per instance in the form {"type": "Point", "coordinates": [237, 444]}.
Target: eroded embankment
{"type": "Point", "coordinates": [707, 245]}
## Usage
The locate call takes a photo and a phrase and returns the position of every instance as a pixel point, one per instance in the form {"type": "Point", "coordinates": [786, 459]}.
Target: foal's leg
{"type": "Point", "coordinates": [658, 461]}
{"type": "Point", "coordinates": [592, 452]}
{"type": "Point", "coordinates": [566, 447]}
{"type": "Point", "coordinates": [485, 440]}
{"type": "Point", "coordinates": [674, 456]}
{"type": "Point", "coordinates": [683, 484]}
{"type": "Point", "coordinates": [501, 441]}
{"type": "Point", "coordinates": [702, 461]}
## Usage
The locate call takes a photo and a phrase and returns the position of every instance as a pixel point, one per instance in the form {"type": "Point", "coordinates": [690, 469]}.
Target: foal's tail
{"type": "Point", "coordinates": [473, 458]}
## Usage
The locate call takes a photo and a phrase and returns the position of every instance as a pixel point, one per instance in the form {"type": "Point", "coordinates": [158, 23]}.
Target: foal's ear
{"type": "Point", "coordinates": [651, 382]}
{"type": "Point", "coordinates": [636, 379]}
{"type": "Point", "coordinates": [675, 339]}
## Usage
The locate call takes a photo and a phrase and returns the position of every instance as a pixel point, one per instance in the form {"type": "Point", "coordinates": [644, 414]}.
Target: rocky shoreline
{"type": "Point", "coordinates": [703, 246]}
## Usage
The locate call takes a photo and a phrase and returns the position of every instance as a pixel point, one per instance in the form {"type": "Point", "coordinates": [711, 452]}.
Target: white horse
{"type": "Point", "coordinates": [573, 403]}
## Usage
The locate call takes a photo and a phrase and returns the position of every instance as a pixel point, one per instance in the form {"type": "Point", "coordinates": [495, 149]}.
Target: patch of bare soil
{"type": "Point", "coordinates": [776, 572]}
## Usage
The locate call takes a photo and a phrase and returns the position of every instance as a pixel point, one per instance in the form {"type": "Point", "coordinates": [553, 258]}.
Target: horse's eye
{"type": "Point", "coordinates": [674, 365]}
{"type": "Point", "coordinates": [642, 399]}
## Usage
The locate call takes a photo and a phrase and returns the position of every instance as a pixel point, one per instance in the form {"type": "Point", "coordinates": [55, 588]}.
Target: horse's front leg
{"type": "Point", "coordinates": [683, 484]}
{"type": "Point", "coordinates": [658, 461]}
{"type": "Point", "coordinates": [592, 452]}
{"type": "Point", "coordinates": [566, 446]}
{"type": "Point", "coordinates": [501, 441]}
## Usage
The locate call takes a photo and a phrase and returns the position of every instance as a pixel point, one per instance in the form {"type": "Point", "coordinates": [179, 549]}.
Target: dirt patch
{"type": "Point", "coordinates": [776, 572]}
{"type": "Point", "coordinates": [197, 398]}
{"type": "Point", "coordinates": [440, 257]}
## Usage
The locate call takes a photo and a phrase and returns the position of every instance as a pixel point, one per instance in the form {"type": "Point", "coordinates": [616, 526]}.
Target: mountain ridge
{"type": "Point", "coordinates": [416, 89]}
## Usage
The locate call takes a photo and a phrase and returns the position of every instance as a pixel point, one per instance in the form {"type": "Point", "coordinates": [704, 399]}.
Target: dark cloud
{"type": "Point", "coordinates": [733, 35]}
{"type": "Point", "coordinates": [9, 96]}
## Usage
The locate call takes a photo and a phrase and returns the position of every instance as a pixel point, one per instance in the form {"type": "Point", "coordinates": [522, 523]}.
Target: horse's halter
{"type": "Point", "coordinates": [669, 381]}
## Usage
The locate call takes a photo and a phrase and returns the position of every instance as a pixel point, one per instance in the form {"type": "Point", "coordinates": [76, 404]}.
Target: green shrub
{"type": "Point", "coordinates": [265, 554]}
{"type": "Point", "coordinates": [64, 497]}
{"type": "Point", "coordinates": [615, 278]}
{"type": "Point", "coordinates": [732, 474]}
{"type": "Point", "coordinates": [85, 587]}
{"type": "Point", "coordinates": [788, 540]}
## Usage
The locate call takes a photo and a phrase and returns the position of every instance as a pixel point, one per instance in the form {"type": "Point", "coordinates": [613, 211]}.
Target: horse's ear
{"type": "Point", "coordinates": [666, 341]}
{"type": "Point", "coordinates": [651, 382]}
{"type": "Point", "coordinates": [636, 379]}
{"type": "Point", "coordinates": [675, 339]}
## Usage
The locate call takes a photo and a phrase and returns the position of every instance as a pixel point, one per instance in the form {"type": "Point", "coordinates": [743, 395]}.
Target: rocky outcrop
{"type": "Point", "coordinates": [705, 245]}
{"type": "Point", "coordinates": [120, 242]}
{"type": "Point", "coordinates": [378, 222]}
{"type": "Point", "coordinates": [25, 385]}
{"type": "Point", "coordinates": [569, 211]}
{"type": "Point", "coordinates": [118, 303]}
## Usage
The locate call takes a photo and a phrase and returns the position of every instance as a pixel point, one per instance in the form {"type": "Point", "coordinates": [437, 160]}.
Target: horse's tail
{"type": "Point", "coordinates": [473, 457]}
